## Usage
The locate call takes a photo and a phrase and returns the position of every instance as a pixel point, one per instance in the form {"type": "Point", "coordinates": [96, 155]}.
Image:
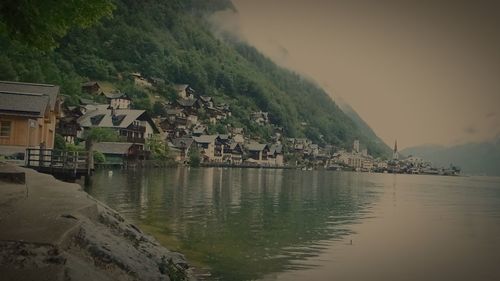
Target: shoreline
{"type": "Point", "coordinates": [54, 230]}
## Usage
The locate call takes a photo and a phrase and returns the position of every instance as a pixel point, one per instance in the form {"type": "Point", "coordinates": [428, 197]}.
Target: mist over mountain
{"type": "Point", "coordinates": [349, 111]}
{"type": "Point", "coordinates": [474, 158]}
{"type": "Point", "coordinates": [174, 41]}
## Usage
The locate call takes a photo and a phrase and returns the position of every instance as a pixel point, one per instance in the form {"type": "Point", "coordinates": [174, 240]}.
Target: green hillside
{"type": "Point", "coordinates": [172, 40]}
{"type": "Point", "coordinates": [481, 158]}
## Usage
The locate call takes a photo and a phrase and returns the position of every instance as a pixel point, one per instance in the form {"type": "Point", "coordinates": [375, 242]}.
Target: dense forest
{"type": "Point", "coordinates": [172, 40]}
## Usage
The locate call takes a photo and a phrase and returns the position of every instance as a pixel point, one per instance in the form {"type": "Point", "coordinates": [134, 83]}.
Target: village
{"type": "Point", "coordinates": [36, 113]}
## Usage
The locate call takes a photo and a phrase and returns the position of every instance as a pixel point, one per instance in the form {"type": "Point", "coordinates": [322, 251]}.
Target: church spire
{"type": "Point", "coordinates": [395, 154]}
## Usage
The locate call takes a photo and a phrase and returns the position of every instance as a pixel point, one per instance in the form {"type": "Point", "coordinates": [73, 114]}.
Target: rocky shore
{"type": "Point", "coordinates": [52, 230]}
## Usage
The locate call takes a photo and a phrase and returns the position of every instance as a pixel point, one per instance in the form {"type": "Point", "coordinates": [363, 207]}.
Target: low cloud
{"type": "Point", "coordinates": [226, 24]}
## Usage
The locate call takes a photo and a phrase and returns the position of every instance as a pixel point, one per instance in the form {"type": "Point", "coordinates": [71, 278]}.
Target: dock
{"type": "Point", "coordinates": [69, 165]}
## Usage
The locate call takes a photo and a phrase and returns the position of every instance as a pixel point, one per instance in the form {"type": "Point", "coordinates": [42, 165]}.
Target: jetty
{"type": "Point", "coordinates": [62, 164]}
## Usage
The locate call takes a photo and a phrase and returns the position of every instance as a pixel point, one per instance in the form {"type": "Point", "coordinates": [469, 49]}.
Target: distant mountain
{"type": "Point", "coordinates": [473, 158]}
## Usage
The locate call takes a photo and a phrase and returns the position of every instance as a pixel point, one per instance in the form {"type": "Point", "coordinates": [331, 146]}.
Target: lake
{"type": "Point", "coordinates": [265, 224]}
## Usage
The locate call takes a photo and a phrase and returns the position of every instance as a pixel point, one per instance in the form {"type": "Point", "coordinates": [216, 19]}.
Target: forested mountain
{"type": "Point", "coordinates": [473, 158]}
{"type": "Point", "coordinates": [172, 40]}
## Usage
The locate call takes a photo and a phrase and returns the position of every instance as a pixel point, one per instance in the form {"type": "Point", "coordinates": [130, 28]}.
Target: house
{"type": "Point", "coordinates": [192, 120]}
{"type": "Point", "coordinates": [189, 106]}
{"type": "Point", "coordinates": [184, 146]}
{"type": "Point", "coordinates": [174, 113]}
{"type": "Point", "coordinates": [258, 152]}
{"type": "Point", "coordinates": [206, 144]}
{"type": "Point", "coordinates": [353, 160]}
{"type": "Point", "coordinates": [184, 91]}
{"type": "Point", "coordinates": [28, 116]}
{"type": "Point", "coordinates": [155, 81]}
{"type": "Point", "coordinates": [221, 150]}
{"type": "Point", "coordinates": [116, 153]}
{"type": "Point", "coordinates": [275, 155]}
{"type": "Point", "coordinates": [236, 151]}
{"type": "Point", "coordinates": [260, 117]}
{"type": "Point", "coordinates": [139, 80]}
{"type": "Point", "coordinates": [91, 88]}
{"type": "Point", "coordinates": [215, 114]}
{"type": "Point", "coordinates": [206, 101]}
{"type": "Point", "coordinates": [301, 145]}
{"type": "Point", "coordinates": [199, 130]}
{"type": "Point", "coordinates": [132, 125]}
{"type": "Point", "coordinates": [68, 126]}
{"type": "Point", "coordinates": [118, 100]}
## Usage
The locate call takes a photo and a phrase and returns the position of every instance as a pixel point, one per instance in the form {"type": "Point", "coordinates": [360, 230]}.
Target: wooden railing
{"type": "Point", "coordinates": [58, 161]}
{"type": "Point", "coordinates": [132, 139]}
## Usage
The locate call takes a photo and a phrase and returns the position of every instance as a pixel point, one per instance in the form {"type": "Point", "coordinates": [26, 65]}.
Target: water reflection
{"type": "Point", "coordinates": [243, 223]}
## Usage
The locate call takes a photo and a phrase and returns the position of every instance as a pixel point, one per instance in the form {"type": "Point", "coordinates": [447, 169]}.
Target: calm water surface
{"type": "Point", "coordinates": [259, 224]}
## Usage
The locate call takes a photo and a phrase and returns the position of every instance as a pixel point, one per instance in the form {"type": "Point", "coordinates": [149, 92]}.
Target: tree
{"type": "Point", "coordinates": [158, 109]}
{"type": "Point", "coordinates": [41, 23]}
{"type": "Point", "coordinates": [59, 142]}
{"type": "Point", "coordinates": [7, 71]}
{"type": "Point", "coordinates": [194, 156]}
{"type": "Point", "coordinates": [158, 148]}
{"type": "Point", "coordinates": [99, 157]}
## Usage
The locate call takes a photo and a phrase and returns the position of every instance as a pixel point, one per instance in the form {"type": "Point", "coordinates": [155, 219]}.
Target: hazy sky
{"type": "Point", "coordinates": [420, 71]}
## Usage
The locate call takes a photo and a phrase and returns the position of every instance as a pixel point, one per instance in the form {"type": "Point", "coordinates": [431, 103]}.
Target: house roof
{"type": "Point", "coordinates": [255, 146]}
{"type": "Point", "coordinates": [205, 138]}
{"type": "Point", "coordinates": [181, 87]}
{"type": "Point", "coordinates": [113, 147]}
{"type": "Point", "coordinates": [233, 145]}
{"type": "Point", "coordinates": [199, 129]}
{"type": "Point", "coordinates": [182, 142]}
{"type": "Point", "coordinates": [206, 98]}
{"type": "Point", "coordinates": [30, 105]}
{"type": "Point", "coordinates": [90, 84]}
{"type": "Point", "coordinates": [223, 137]}
{"type": "Point", "coordinates": [173, 111]}
{"type": "Point", "coordinates": [104, 118]}
{"type": "Point", "coordinates": [52, 91]}
{"type": "Point", "coordinates": [238, 138]}
{"type": "Point", "coordinates": [276, 148]}
{"type": "Point", "coordinates": [186, 102]}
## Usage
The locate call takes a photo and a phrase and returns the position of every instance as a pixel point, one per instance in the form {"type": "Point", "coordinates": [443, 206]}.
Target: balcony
{"type": "Point", "coordinates": [137, 128]}
{"type": "Point", "coordinates": [132, 139]}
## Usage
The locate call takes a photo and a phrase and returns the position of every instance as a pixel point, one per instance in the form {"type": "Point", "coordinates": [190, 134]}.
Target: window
{"type": "Point", "coordinates": [5, 128]}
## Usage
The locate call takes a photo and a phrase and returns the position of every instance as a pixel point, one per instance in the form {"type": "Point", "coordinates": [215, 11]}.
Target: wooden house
{"type": "Point", "coordinates": [189, 106]}
{"type": "Point", "coordinates": [91, 88]}
{"type": "Point", "coordinates": [117, 153]}
{"type": "Point", "coordinates": [28, 115]}
{"type": "Point", "coordinates": [68, 126]}
{"type": "Point", "coordinates": [184, 91]}
{"type": "Point", "coordinates": [235, 150]}
{"type": "Point", "coordinates": [275, 155]}
{"type": "Point", "coordinates": [184, 146]}
{"type": "Point", "coordinates": [132, 125]}
{"type": "Point", "coordinates": [258, 152]}
{"type": "Point", "coordinates": [118, 100]}
{"type": "Point", "coordinates": [206, 144]}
